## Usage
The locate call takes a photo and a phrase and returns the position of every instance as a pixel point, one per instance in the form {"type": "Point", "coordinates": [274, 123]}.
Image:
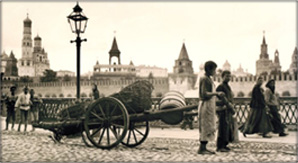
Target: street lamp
{"type": "Point", "coordinates": [78, 23]}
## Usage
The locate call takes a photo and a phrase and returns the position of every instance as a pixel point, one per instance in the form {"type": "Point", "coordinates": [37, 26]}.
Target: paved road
{"type": "Point", "coordinates": [165, 145]}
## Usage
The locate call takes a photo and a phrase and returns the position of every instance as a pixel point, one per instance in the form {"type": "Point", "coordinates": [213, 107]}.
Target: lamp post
{"type": "Point", "coordinates": [78, 24]}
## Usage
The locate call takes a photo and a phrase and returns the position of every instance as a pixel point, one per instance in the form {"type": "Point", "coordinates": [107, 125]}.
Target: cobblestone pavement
{"type": "Point", "coordinates": [37, 146]}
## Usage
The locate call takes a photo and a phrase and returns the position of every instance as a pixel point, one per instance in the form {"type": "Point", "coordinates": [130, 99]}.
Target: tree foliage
{"type": "Point", "coordinates": [49, 76]}
{"type": "Point", "coordinates": [26, 79]}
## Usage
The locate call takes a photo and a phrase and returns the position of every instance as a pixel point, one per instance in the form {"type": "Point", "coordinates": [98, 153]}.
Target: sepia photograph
{"type": "Point", "coordinates": [148, 81]}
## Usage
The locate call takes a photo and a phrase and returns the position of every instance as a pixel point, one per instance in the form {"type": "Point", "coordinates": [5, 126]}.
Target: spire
{"type": "Point", "coordinates": [276, 57]}
{"type": "Point", "coordinates": [11, 56]}
{"type": "Point", "coordinates": [183, 53]}
{"type": "Point", "coordinates": [130, 63]}
{"type": "Point", "coordinates": [264, 40]}
{"type": "Point", "coordinates": [114, 48]}
{"type": "Point", "coordinates": [264, 51]}
{"type": "Point", "coordinates": [295, 51]}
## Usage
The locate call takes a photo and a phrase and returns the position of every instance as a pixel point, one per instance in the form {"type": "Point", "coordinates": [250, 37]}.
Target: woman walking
{"type": "Point", "coordinates": [273, 104]}
{"type": "Point", "coordinates": [258, 120]}
{"type": "Point", "coordinates": [207, 109]}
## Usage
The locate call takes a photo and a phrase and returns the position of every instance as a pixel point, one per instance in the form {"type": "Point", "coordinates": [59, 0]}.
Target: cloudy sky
{"type": "Point", "coordinates": [152, 33]}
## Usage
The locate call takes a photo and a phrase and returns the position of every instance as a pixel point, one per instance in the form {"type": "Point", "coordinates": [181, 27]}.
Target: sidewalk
{"type": "Point", "coordinates": [194, 134]}
{"type": "Point", "coordinates": [186, 134]}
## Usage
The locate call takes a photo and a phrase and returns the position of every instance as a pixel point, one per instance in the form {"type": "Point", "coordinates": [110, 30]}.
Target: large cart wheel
{"type": "Point", "coordinates": [86, 140]}
{"type": "Point", "coordinates": [137, 134]}
{"type": "Point", "coordinates": [101, 120]}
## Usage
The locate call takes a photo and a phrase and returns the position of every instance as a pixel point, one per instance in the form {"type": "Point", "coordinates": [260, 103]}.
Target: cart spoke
{"type": "Point", "coordinates": [108, 136]}
{"type": "Point", "coordinates": [128, 137]}
{"type": "Point", "coordinates": [104, 129]}
{"type": "Point", "coordinates": [107, 108]}
{"type": "Point", "coordinates": [101, 110]}
{"type": "Point", "coordinates": [97, 116]}
{"type": "Point", "coordinates": [114, 132]}
{"type": "Point", "coordinates": [114, 109]}
{"type": "Point", "coordinates": [134, 135]}
{"type": "Point", "coordinates": [139, 132]}
{"type": "Point", "coordinates": [95, 132]}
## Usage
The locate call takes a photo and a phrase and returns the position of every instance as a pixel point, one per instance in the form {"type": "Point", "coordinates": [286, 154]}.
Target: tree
{"type": "Point", "coordinates": [26, 79]}
{"type": "Point", "coordinates": [264, 73]}
{"type": "Point", "coordinates": [275, 72]}
{"type": "Point", "coordinates": [240, 94]}
{"type": "Point", "coordinates": [49, 76]}
{"type": "Point", "coordinates": [150, 76]}
{"type": "Point", "coordinates": [66, 78]}
{"type": "Point", "coordinates": [158, 94]}
{"type": "Point", "coordinates": [286, 94]}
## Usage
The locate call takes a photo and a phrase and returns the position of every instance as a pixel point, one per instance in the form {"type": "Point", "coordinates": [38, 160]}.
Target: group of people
{"type": "Point", "coordinates": [26, 102]}
{"type": "Point", "coordinates": [263, 116]}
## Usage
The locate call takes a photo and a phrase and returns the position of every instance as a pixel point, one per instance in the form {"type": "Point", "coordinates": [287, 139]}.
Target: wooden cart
{"type": "Point", "coordinates": [107, 123]}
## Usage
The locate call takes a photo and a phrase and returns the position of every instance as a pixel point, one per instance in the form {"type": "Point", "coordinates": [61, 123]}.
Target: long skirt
{"type": "Point", "coordinates": [258, 121]}
{"type": "Point", "coordinates": [207, 118]}
{"type": "Point", "coordinates": [278, 127]}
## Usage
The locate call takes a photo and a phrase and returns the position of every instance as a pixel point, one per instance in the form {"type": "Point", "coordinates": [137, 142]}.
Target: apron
{"type": "Point", "coordinates": [207, 118]}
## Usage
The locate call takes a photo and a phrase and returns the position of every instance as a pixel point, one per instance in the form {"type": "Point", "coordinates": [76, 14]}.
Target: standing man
{"type": "Point", "coordinates": [10, 102]}
{"type": "Point", "coordinates": [23, 103]}
{"type": "Point", "coordinates": [225, 111]}
{"type": "Point", "coordinates": [34, 107]}
{"type": "Point", "coordinates": [273, 104]}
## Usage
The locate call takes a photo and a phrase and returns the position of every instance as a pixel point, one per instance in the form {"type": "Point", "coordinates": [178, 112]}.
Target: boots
{"type": "Point", "coordinates": [203, 149]}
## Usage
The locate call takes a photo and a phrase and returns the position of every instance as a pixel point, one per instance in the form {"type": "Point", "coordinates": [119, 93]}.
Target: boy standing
{"type": "Point", "coordinates": [10, 102]}
{"type": "Point", "coordinates": [225, 111]}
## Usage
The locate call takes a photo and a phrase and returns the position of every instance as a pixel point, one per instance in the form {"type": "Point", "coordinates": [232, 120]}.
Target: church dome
{"type": "Point", "coordinates": [27, 20]}
{"type": "Point", "coordinates": [37, 38]}
{"type": "Point", "coordinates": [227, 64]}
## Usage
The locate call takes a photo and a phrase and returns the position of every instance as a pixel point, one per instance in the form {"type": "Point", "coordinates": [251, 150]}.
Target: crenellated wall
{"type": "Point", "coordinates": [284, 82]}
{"type": "Point", "coordinates": [68, 89]}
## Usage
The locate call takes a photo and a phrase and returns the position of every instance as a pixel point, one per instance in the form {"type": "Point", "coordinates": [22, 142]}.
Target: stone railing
{"type": "Point", "coordinates": [288, 109]}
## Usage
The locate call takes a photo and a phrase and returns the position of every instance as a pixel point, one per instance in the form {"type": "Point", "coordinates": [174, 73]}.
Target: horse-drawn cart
{"type": "Point", "coordinates": [109, 121]}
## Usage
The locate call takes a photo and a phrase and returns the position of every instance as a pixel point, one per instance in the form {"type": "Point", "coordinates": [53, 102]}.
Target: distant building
{"type": "Point", "coordinates": [183, 77]}
{"type": "Point", "coordinates": [264, 65]}
{"type": "Point", "coordinates": [62, 73]}
{"type": "Point", "coordinates": [226, 66]}
{"type": "Point", "coordinates": [146, 71]}
{"type": "Point", "coordinates": [293, 66]}
{"type": "Point", "coordinates": [9, 69]}
{"type": "Point", "coordinates": [4, 58]}
{"type": "Point", "coordinates": [118, 70]}
{"type": "Point", "coordinates": [240, 72]}
{"type": "Point", "coordinates": [34, 60]}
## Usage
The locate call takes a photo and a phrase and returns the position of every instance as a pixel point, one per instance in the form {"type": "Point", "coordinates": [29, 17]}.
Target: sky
{"type": "Point", "coordinates": [152, 33]}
